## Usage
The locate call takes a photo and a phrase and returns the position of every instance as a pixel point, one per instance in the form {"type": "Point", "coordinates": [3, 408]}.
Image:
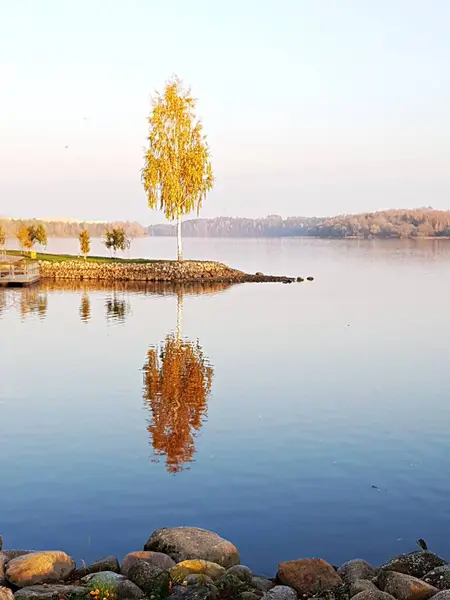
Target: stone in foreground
{"type": "Point", "coordinates": [109, 563]}
{"type": "Point", "coordinates": [242, 572]}
{"type": "Point", "coordinates": [196, 567]}
{"type": "Point", "coordinates": [373, 594]}
{"type": "Point", "coordinates": [281, 592]}
{"type": "Point", "coordinates": [308, 575]}
{"type": "Point", "coordinates": [109, 578]}
{"type": "Point", "coordinates": [51, 592]}
{"type": "Point", "coordinates": [157, 559]}
{"type": "Point", "coordinates": [404, 587]}
{"type": "Point", "coordinates": [262, 584]}
{"type": "Point", "coordinates": [39, 567]}
{"type": "Point", "coordinates": [3, 561]}
{"type": "Point", "coordinates": [186, 543]}
{"type": "Point", "coordinates": [439, 577]}
{"type": "Point", "coordinates": [417, 563]}
{"type": "Point", "coordinates": [152, 580]}
{"type": "Point", "coordinates": [356, 569]}
{"type": "Point", "coordinates": [362, 585]}
{"type": "Point", "coordinates": [193, 592]}
{"type": "Point", "coordinates": [127, 590]}
{"type": "Point", "coordinates": [6, 593]}
{"type": "Point", "coordinates": [444, 595]}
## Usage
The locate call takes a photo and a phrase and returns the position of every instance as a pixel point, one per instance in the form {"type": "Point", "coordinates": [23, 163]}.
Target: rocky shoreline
{"type": "Point", "coordinates": [188, 563]}
{"type": "Point", "coordinates": [188, 271]}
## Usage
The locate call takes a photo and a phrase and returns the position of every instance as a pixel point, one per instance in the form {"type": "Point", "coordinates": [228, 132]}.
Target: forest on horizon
{"type": "Point", "coordinates": [393, 223]}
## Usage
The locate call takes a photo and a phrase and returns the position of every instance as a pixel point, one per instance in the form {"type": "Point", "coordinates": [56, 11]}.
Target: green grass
{"type": "Point", "coordinates": [96, 259]}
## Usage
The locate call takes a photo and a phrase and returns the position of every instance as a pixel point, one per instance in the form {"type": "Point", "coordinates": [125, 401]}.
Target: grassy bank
{"type": "Point", "coordinates": [58, 258]}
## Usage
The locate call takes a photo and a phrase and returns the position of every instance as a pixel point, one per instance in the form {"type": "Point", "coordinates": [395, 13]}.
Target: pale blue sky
{"type": "Point", "coordinates": [310, 106]}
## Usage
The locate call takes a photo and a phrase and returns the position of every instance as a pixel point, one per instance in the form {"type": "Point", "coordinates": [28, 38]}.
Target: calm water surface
{"type": "Point", "coordinates": [265, 412]}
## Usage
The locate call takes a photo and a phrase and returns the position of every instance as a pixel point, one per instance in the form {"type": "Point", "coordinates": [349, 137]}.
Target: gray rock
{"type": "Point", "coordinates": [193, 592]}
{"type": "Point", "coordinates": [249, 596]}
{"type": "Point", "coordinates": [6, 593]}
{"type": "Point", "coordinates": [356, 569]}
{"type": "Point", "coordinates": [127, 590]}
{"type": "Point", "coordinates": [198, 579]}
{"type": "Point", "coordinates": [262, 584]}
{"type": "Point", "coordinates": [417, 563]}
{"type": "Point", "coordinates": [362, 585]}
{"type": "Point", "coordinates": [152, 580]}
{"type": "Point", "coordinates": [444, 595]}
{"type": "Point", "coordinates": [157, 559]}
{"type": "Point", "coordinates": [281, 592]}
{"type": "Point", "coordinates": [242, 572]}
{"type": "Point", "coordinates": [403, 587]}
{"type": "Point", "coordinates": [109, 563]}
{"type": "Point", "coordinates": [109, 578]}
{"type": "Point", "coordinates": [185, 543]}
{"type": "Point", "coordinates": [375, 594]}
{"type": "Point", "coordinates": [51, 592]}
{"type": "Point", "coordinates": [439, 577]}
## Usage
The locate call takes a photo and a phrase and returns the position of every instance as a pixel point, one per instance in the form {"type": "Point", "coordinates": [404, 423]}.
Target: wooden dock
{"type": "Point", "coordinates": [17, 271]}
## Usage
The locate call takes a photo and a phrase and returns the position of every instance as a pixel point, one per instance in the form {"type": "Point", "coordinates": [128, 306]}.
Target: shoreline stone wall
{"type": "Point", "coordinates": [188, 563]}
{"type": "Point", "coordinates": [158, 271]}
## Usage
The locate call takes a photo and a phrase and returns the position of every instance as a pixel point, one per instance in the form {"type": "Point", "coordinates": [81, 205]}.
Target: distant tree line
{"type": "Point", "coordinates": [71, 229]}
{"type": "Point", "coordinates": [395, 223]}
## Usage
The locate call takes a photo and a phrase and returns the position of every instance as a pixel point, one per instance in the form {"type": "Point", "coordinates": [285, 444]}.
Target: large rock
{"type": "Point", "coordinates": [242, 572]}
{"type": "Point", "coordinates": [152, 580]}
{"type": "Point", "coordinates": [373, 594]}
{"type": "Point", "coordinates": [280, 592]}
{"type": "Point", "coordinates": [356, 569]}
{"type": "Point", "coordinates": [444, 595]}
{"type": "Point", "coordinates": [308, 575]}
{"type": "Point", "coordinates": [193, 592]}
{"type": "Point", "coordinates": [109, 563]}
{"type": "Point", "coordinates": [157, 559]}
{"type": "Point", "coordinates": [51, 592]}
{"type": "Point", "coordinates": [185, 543]}
{"type": "Point", "coordinates": [108, 578]}
{"type": "Point", "coordinates": [39, 567]}
{"type": "Point", "coordinates": [404, 587]}
{"type": "Point", "coordinates": [6, 593]}
{"type": "Point", "coordinates": [439, 577]}
{"type": "Point", "coordinates": [10, 554]}
{"type": "Point", "coordinates": [416, 564]}
{"type": "Point", "coordinates": [127, 590]}
{"type": "Point", "coordinates": [197, 579]}
{"type": "Point", "coordinates": [362, 585]}
{"type": "Point", "coordinates": [191, 567]}
{"type": "Point", "coordinates": [262, 584]}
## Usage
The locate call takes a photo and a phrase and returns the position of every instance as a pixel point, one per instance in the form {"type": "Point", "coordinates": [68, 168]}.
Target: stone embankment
{"type": "Point", "coordinates": [188, 271]}
{"type": "Point", "coordinates": [187, 563]}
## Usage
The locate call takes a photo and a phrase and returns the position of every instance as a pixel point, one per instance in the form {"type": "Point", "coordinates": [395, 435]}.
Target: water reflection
{"type": "Point", "coordinates": [177, 383]}
{"type": "Point", "coordinates": [85, 308]}
{"type": "Point", "coordinates": [117, 308]}
{"type": "Point", "coordinates": [27, 301]}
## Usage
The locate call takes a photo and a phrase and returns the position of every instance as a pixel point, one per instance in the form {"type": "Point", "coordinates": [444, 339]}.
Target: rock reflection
{"type": "Point", "coordinates": [177, 383]}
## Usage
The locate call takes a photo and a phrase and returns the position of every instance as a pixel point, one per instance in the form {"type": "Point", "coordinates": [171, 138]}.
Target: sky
{"type": "Point", "coordinates": [311, 107]}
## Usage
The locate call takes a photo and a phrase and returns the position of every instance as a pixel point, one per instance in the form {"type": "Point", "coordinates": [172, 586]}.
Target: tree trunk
{"type": "Point", "coordinates": [180, 249]}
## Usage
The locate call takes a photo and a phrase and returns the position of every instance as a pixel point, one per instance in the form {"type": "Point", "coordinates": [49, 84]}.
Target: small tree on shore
{"type": "Point", "coordinates": [38, 234]}
{"type": "Point", "coordinates": [24, 238]}
{"type": "Point", "coordinates": [85, 242]}
{"type": "Point", "coordinates": [2, 239]}
{"type": "Point", "coordinates": [177, 171]}
{"type": "Point", "coordinates": [116, 239]}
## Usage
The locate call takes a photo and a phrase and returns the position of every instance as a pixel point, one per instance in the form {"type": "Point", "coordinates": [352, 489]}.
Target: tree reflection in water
{"type": "Point", "coordinates": [117, 309]}
{"type": "Point", "coordinates": [33, 302]}
{"type": "Point", "coordinates": [85, 308]}
{"type": "Point", "coordinates": [177, 383]}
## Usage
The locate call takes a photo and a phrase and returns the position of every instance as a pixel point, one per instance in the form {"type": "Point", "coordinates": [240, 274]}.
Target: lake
{"type": "Point", "coordinates": [295, 420]}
